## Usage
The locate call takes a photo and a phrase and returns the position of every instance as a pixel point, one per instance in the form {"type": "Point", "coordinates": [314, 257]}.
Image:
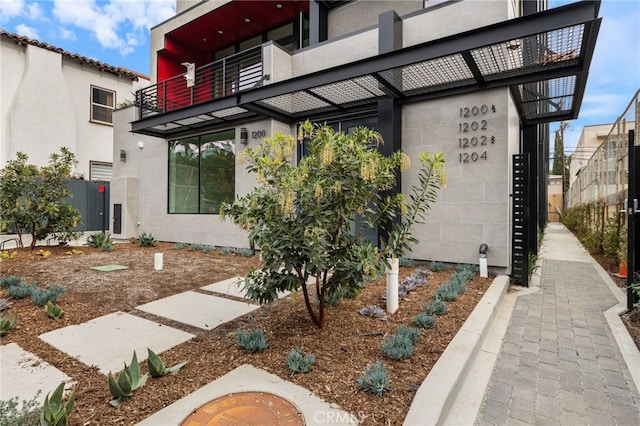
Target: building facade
{"type": "Point", "coordinates": [477, 80]}
{"type": "Point", "coordinates": [52, 98]}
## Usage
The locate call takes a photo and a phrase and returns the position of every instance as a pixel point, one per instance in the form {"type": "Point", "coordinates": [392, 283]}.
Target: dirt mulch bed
{"type": "Point", "coordinates": [348, 343]}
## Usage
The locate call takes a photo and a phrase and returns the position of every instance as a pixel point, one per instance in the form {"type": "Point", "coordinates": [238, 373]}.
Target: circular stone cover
{"type": "Point", "coordinates": [246, 408]}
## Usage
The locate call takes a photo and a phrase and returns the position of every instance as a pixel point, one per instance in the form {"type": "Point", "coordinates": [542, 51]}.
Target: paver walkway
{"type": "Point", "coordinates": [559, 362]}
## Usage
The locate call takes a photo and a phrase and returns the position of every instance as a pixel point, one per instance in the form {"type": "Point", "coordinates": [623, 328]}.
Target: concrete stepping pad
{"type": "Point", "coordinates": [23, 374]}
{"type": "Point", "coordinates": [233, 287]}
{"type": "Point", "coordinates": [248, 378]}
{"type": "Point", "coordinates": [197, 309]}
{"type": "Point", "coordinates": [108, 342]}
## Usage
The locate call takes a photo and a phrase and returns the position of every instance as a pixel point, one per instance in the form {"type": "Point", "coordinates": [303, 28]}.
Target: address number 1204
{"type": "Point", "coordinates": [470, 157]}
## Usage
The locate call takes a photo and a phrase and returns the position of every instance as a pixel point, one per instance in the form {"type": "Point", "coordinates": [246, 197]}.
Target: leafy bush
{"type": "Point", "coordinates": [99, 239]}
{"type": "Point", "coordinates": [9, 280]}
{"type": "Point", "coordinates": [53, 310]}
{"type": "Point", "coordinates": [397, 346]}
{"type": "Point", "coordinates": [299, 363]}
{"type": "Point", "coordinates": [252, 341]}
{"type": "Point", "coordinates": [411, 333]}
{"type": "Point", "coordinates": [41, 296]}
{"type": "Point", "coordinates": [373, 311]}
{"type": "Point", "coordinates": [128, 381]}
{"type": "Point", "coordinates": [447, 292]}
{"type": "Point", "coordinates": [147, 240]}
{"type": "Point", "coordinates": [375, 379]}
{"type": "Point", "coordinates": [424, 320]}
{"type": "Point", "coordinates": [435, 307]}
{"type": "Point", "coordinates": [156, 366]}
{"type": "Point", "coordinates": [55, 412]}
{"type": "Point", "coordinates": [437, 266]}
{"type": "Point", "coordinates": [27, 415]}
{"type": "Point", "coordinates": [7, 323]}
{"type": "Point", "coordinates": [178, 246]}
{"type": "Point", "coordinates": [22, 290]}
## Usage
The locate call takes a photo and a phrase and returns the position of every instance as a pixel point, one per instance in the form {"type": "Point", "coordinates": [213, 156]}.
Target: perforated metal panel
{"type": "Point", "coordinates": [448, 71]}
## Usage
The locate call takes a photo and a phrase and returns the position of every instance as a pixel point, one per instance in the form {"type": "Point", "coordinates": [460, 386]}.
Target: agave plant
{"type": "Point", "coordinates": [128, 381]}
{"type": "Point", "coordinates": [53, 310]}
{"type": "Point", "coordinates": [55, 412]}
{"type": "Point", "coordinates": [156, 366]}
{"type": "Point", "coordinates": [7, 323]}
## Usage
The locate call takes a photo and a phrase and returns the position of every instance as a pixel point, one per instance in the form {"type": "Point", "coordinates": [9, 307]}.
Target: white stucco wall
{"type": "Point", "coordinates": [45, 104]}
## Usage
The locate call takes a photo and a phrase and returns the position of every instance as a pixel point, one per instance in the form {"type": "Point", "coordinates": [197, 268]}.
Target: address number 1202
{"type": "Point", "coordinates": [470, 157]}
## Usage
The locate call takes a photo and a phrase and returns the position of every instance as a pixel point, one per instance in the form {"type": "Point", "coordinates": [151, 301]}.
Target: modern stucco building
{"type": "Point", "coordinates": [52, 98]}
{"type": "Point", "coordinates": [478, 80]}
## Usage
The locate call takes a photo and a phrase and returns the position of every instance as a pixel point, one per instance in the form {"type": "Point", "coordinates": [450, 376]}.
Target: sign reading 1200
{"type": "Point", "coordinates": [474, 133]}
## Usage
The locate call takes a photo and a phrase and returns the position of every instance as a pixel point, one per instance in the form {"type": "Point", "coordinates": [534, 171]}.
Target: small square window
{"type": "Point", "coordinates": [102, 104]}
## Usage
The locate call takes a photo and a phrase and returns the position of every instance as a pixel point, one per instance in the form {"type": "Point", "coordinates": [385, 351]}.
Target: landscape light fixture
{"type": "Point", "coordinates": [244, 136]}
{"type": "Point", "coordinates": [123, 155]}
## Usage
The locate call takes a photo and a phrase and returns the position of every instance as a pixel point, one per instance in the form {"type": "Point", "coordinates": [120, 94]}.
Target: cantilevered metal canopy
{"type": "Point", "coordinates": [544, 58]}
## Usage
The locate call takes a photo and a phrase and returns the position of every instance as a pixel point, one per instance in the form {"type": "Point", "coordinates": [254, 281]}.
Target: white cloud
{"type": "Point", "coordinates": [27, 31]}
{"type": "Point", "coordinates": [67, 34]}
{"type": "Point", "coordinates": [35, 13]}
{"type": "Point", "coordinates": [10, 9]}
{"type": "Point", "coordinates": [116, 24]}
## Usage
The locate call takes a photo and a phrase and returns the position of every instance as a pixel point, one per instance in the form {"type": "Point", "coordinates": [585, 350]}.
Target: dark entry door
{"type": "Point", "coordinates": [117, 218]}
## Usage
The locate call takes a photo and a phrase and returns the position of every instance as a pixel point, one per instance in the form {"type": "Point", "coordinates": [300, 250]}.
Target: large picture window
{"type": "Point", "coordinates": [202, 172]}
{"type": "Point", "coordinates": [103, 102]}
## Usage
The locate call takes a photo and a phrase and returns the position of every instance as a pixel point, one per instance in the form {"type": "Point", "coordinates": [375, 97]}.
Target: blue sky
{"type": "Point", "coordinates": [117, 32]}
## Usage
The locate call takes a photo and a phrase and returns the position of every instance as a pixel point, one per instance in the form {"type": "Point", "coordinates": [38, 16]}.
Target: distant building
{"type": "Point", "coordinates": [52, 98]}
{"type": "Point", "coordinates": [477, 80]}
{"type": "Point", "coordinates": [590, 139]}
{"type": "Point", "coordinates": [555, 198]}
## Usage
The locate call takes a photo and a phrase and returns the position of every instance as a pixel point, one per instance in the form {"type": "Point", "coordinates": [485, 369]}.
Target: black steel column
{"type": "Point", "coordinates": [530, 146]}
{"type": "Point", "coordinates": [389, 111]}
{"type": "Point", "coordinates": [633, 230]}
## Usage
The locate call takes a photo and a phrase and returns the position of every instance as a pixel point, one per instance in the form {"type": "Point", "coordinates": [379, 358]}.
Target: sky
{"type": "Point", "coordinates": [117, 32]}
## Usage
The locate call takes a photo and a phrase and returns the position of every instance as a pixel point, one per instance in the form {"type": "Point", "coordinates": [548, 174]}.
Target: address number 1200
{"type": "Point", "coordinates": [470, 157]}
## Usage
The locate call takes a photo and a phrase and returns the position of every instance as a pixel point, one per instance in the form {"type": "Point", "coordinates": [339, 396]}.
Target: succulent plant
{"type": "Point", "coordinates": [146, 240]}
{"type": "Point", "coordinates": [21, 290]}
{"type": "Point", "coordinates": [156, 366]}
{"type": "Point", "coordinates": [424, 320]}
{"type": "Point", "coordinates": [435, 307]}
{"type": "Point", "coordinates": [7, 323]}
{"type": "Point", "coordinates": [53, 310]}
{"type": "Point", "coordinates": [99, 239]}
{"type": "Point", "coordinates": [178, 246]}
{"type": "Point", "coordinates": [9, 281]}
{"type": "Point", "coordinates": [397, 346]}
{"type": "Point", "coordinates": [413, 334]}
{"type": "Point", "coordinates": [128, 381]}
{"type": "Point", "coordinates": [41, 296]}
{"type": "Point", "coordinates": [253, 341]}
{"type": "Point", "coordinates": [373, 311]}
{"type": "Point", "coordinates": [375, 379]}
{"type": "Point", "coordinates": [299, 363]}
{"type": "Point", "coordinates": [437, 266]}
{"type": "Point", "coordinates": [55, 411]}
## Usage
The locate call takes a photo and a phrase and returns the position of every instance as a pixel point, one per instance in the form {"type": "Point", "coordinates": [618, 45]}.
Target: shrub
{"type": "Point", "coordinates": [99, 239]}
{"type": "Point", "coordinates": [397, 346]}
{"type": "Point", "coordinates": [208, 249]}
{"type": "Point", "coordinates": [435, 307]}
{"type": "Point", "coordinates": [147, 240]}
{"type": "Point", "coordinates": [424, 320]}
{"type": "Point", "coordinates": [9, 280]}
{"type": "Point", "coordinates": [21, 290]}
{"type": "Point", "coordinates": [437, 266]}
{"type": "Point", "coordinates": [28, 413]}
{"type": "Point", "coordinates": [252, 341]}
{"type": "Point", "coordinates": [107, 246]}
{"type": "Point", "coordinates": [6, 254]}
{"type": "Point", "coordinates": [55, 412]}
{"type": "Point", "coordinates": [299, 363]}
{"type": "Point", "coordinates": [178, 246]}
{"type": "Point", "coordinates": [373, 311]}
{"type": "Point", "coordinates": [195, 247]}
{"type": "Point", "coordinates": [375, 379]}
{"type": "Point", "coordinates": [7, 323]}
{"type": "Point", "coordinates": [226, 250]}
{"type": "Point", "coordinates": [447, 292]}
{"type": "Point", "coordinates": [246, 252]}
{"type": "Point", "coordinates": [41, 296]}
{"type": "Point", "coordinates": [411, 333]}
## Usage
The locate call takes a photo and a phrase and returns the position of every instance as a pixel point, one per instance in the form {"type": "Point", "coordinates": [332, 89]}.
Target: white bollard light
{"type": "Point", "coordinates": [157, 261]}
{"type": "Point", "coordinates": [392, 285]}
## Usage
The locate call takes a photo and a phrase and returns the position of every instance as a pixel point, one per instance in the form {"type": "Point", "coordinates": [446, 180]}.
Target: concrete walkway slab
{"type": "Point", "coordinates": [248, 378]}
{"type": "Point", "coordinates": [22, 375]}
{"type": "Point", "coordinates": [197, 309]}
{"type": "Point", "coordinates": [233, 287]}
{"type": "Point", "coordinates": [108, 342]}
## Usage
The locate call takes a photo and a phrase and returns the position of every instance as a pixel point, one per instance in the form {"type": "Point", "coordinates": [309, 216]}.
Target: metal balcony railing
{"type": "Point", "coordinates": [225, 77]}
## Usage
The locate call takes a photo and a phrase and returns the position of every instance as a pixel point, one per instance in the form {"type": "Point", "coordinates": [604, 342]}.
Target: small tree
{"type": "Point", "coordinates": [303, 217]}
{"type": "Point", "coordinates": [33, 197]}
